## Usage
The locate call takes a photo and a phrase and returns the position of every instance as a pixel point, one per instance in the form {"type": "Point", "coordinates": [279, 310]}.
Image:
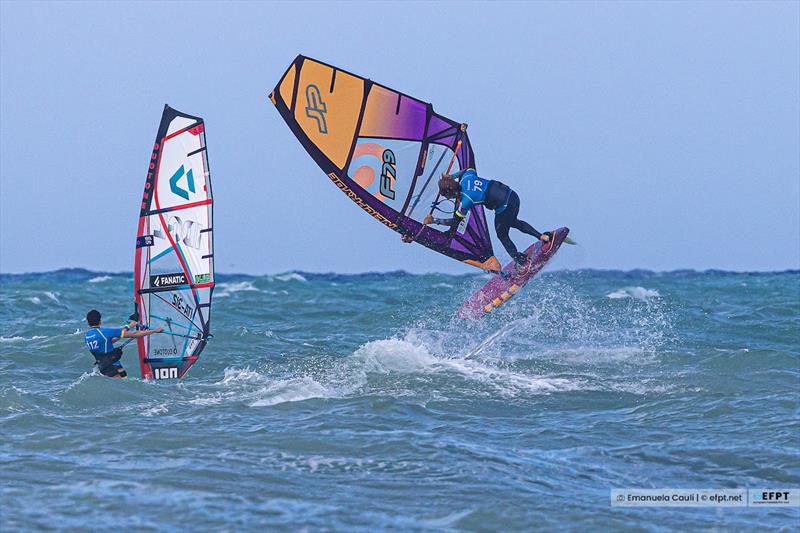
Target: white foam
{"type": "Point", "coordinates": [83, 377]}
{"type": "Point", "coordinates": [258, 390]}
{"type": "Point", "coordinates": [293, 390]}
{"type": "Point", "coordinates": [213, 399]}
{"type": "Point", "coordinates": [638, 293]}
{"type": "Point", "coordinates": [20, 339]}
{"type": "Point", "coordinates": [593, 355]}
{"type": "Point", "coordinates": [394, 355]}
{"type": "Point", "coordinates": [52, 295]}
{"type": "Point", "coordinates": [442, 286]}
{"type": "Point", "coordinates": [400, 356]}
{"type": "Point", "coordinates": [226, 289]}
{"type": "Point", "coordinates": [238, 375]}
{"type": "Point", "coordinates": [290, 276]}
{"type": "Point", "coordinates": [509, 383]}
{"type": "Point", "coordinates": [35, 299]}
{"type": "Point", "coordinates": [99, 279]}
{"type": "Point", "coordinates": [156, 410]}
{"type": "Point", "coordinates": [242, 331]}
{"type": "Point", "coordinates": [642, 388]}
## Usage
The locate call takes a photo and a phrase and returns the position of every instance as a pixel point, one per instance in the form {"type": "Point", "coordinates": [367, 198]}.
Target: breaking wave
{"type": "Point", "coordinates": [637, 293]}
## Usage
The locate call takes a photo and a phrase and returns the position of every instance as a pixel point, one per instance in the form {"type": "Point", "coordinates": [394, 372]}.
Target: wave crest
{"type": "Point", "coordinates": [637, 293]}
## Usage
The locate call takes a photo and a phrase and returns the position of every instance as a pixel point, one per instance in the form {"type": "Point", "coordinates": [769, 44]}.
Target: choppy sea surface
{"type": "Point", "coordinates": [361, 403]}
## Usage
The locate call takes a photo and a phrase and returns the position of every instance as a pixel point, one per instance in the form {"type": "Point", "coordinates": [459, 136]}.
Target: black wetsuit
{"type": "Point", "coordinates": [105, 363]}
{"type": "Point", "coordinates": [494, 195]}
{"type": "Point", "coordinates": [507, 219]}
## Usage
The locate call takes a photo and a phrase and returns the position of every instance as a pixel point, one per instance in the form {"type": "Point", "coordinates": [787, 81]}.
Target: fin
{"type": "Point", "coordinates": [490, 264]}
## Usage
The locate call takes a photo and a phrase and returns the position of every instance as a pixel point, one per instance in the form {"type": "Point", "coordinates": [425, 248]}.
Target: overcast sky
{"type": "Point", "coordinates": [665, 136]}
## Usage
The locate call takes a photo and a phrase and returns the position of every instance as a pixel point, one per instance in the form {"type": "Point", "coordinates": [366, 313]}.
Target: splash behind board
{"type": "Point", "coordinates": [499, 290]}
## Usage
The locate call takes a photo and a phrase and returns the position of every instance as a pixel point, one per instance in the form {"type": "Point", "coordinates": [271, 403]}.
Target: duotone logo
{"type": "Point", "coordinates": [173, 183]}
{"type": "Point", "coordinates": [316, 108]}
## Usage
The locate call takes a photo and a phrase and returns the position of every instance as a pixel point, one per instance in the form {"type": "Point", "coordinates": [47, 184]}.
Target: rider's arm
{"type": "Point", "coordinates": [126, 330]}
{"type": "Point", "coordinates": [128, 333]}
{"type": "Point", "coordinates": [115, 333]}
{"type": "Point", "coordinates": [464, 205]}
{"type": "Point", "coordinates": [142, 333]}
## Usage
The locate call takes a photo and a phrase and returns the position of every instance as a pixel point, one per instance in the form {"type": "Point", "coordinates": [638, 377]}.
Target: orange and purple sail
{"type": "Point", "coordinates": [385, 150]}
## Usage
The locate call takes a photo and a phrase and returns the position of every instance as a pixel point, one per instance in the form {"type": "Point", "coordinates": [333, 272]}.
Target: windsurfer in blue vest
{"type": "Point", "coordinates": [470, 189]}
{"type": "Point", "coordinates": [101, 342]}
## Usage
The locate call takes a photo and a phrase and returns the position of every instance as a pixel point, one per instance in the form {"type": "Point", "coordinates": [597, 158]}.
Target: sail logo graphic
{"type": "Point", "coordinates": [183, 231]}
{"type": "Point", "coordinates": [168, 280]}
{"type": "Point", "coordinates": [360, 201]}
{"type": "Point", "coordinates": [316, 108]}
{"type": "Point", "coordinates": [374, 168]}
{"type": "Point", "coordinates": [175, 188]}
{"type": "Point", "coordinates": [388, 174]}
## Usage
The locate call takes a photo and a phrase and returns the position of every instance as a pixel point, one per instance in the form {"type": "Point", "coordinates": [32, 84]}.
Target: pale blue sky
{"type": "Point", "coordinates": [665, 135]}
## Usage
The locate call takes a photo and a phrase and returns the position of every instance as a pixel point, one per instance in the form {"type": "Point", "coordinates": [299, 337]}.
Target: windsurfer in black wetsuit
{"type": "Point", "coordinates": [470, 189]}
{"type": "Point", "coordinates": [100, 342]}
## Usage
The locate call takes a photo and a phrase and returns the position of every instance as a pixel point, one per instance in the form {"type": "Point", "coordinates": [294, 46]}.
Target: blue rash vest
{"type": "Point", "coordinates": [98, 340]}
{"type": "Point", "coordinates": [476, 190]}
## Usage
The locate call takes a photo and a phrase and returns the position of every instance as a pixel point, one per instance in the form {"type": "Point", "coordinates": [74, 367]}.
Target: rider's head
{"type": "Point", "coordinates": [449, 186]}
{"type": "Point", "coordinates": [93, 318]}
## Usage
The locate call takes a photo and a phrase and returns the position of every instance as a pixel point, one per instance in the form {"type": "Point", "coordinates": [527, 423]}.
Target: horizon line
{"type": "Point", "coordinates": [405, 272]}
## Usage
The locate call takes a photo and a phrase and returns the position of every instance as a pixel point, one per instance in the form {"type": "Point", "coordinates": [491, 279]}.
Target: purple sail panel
{"type": "Point", "coordinates": [478, 227]}
{"type": "Point", "coordinates": [392, 115]}
{"type": "Point", "coordinates": [437, 240]}
{"type": "Point", "coordinates": [439, 124]}
{"type": "Point", "coordinates": [476, 236]}
{"type": "Point", "coordinates": [457, 246]}
{"type": "Point", "coordinates": [443, 131]}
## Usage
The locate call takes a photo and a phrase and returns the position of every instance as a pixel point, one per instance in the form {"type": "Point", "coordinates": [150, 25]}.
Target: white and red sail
{"type": "Point", "coordinates": [174, 267]}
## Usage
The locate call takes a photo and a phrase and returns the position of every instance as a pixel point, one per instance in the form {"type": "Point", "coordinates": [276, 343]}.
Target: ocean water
{"type": "Point", "coordinates": [360, 403]}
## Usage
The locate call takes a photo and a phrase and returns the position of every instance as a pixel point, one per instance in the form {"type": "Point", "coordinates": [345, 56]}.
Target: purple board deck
{"type": "Point", "coordinates": [499, 289]}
